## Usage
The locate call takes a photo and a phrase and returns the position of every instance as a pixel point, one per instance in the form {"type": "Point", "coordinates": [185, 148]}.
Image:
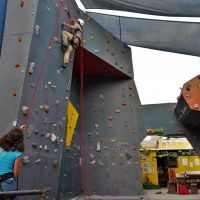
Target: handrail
{"type": "Point", "coordinates": [24, 193]}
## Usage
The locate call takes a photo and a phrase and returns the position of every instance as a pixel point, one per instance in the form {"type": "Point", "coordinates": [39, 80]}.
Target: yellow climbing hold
{"type": "Point", "coordinates": [84, 41]}
{"type": "Point", "coordinates": [92, 37]}
{"type": "Point", "coordinates": [72, 117]}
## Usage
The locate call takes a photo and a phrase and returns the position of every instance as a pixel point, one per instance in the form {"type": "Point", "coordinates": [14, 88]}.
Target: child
{"type": "Point", "coordinates": [11, 148]}
{"type": "Point", "coordinates": [72, 40]}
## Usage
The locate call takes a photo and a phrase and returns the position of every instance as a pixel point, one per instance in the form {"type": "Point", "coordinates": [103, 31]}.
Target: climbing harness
{"type": "Point", "coordinates": [6, 176]}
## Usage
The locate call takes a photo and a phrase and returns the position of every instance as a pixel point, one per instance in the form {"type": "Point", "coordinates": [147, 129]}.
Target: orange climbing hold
{"type": "Point", "coordinates": [18, 65]}
{"type": "Point", "coordinates": [21, 3]}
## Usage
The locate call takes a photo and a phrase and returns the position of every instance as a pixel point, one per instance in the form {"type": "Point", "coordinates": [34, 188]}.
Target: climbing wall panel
{"type": "Point", "coordinates": [112, 148]}
{"type": "Point", "coordinates": [163, 116]}
{"type": "Point", "coordinates": [72, 117]}
{"type": "Point", "coordinates": [14, 57]}
{"type": "Point", "coordinates": [70, 171]}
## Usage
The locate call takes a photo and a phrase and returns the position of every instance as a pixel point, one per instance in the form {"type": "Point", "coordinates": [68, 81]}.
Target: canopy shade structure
{"type": "Point", "coordinates": [171, 36]}
{"type": "Point", "coordinates": [154, 7]}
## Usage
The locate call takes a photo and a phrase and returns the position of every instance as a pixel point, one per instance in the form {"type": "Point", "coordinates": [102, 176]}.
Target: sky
{"type": "Point", "coordinates": [158, 75]}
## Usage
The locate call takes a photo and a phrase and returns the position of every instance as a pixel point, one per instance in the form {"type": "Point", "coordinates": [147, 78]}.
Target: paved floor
{"type": "Point", "coordinates": [148, 195]}
{"type": "Point", "coordinates": [151, 195]}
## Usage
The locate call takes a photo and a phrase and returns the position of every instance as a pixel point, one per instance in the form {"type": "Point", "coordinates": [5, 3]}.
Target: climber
{"type": "Point", "coordinates": [71, 40]}
{"type": "Point", "coordinates": [11, 148]}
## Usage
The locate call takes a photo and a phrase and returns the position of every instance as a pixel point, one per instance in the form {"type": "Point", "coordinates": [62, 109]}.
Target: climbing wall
{"type": "Point", "coordinates": [112, 137]}
{"type": "Point", "coordinates": [36, 92]}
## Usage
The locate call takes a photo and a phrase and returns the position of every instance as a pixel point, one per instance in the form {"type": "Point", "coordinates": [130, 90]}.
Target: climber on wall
{"type": "Point", "coordinates": [70, 40]}
{"type": "Point", "coordinates": [11, 148]}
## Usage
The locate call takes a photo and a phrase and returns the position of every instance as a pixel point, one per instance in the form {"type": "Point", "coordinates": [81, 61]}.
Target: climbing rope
{"type": "Point", "coordinates": [84, 169]}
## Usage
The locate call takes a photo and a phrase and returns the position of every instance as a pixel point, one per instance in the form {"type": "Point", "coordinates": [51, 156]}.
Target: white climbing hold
{"type": "Point", "coordinates": [48, 135]}
{"type": "Point", "coordinates": [96, 50]}
{"type": "Point", "coordinates": [25, 110]}
{"type": "Point", "coordinates": [53, 137]}
{"type": "Point", "coordinates": [14, 123]}
{"type": "Point", "coordinates": [45, 86]}
{"type": "Point", "coordinates": [101, 96]}
{"type": "Point", "coordinates": [37, 161]}
{"type": "Point", "coordinates": [117, 111]}
{"type": "Point", "coordinates": [31, 68]}
{"type": "Point", "coordinates": [46, 148]}
{"type": "Point", "coordinates": [49, 83]}
{"type": "Point", "coordinates": [55, 150]}
{"type": "Point", "coordinates": [57, 102]}
{"type": "Point", "coordinates": [98, 146]}
{"type": "Point", "coordinates": [41, 107]}
{"type": "Point", "coordinates": [40, 146]}
{"type": "Point", "coordinates": [25, 160]}
{"type": "Point", "coordinates": [37, 30]}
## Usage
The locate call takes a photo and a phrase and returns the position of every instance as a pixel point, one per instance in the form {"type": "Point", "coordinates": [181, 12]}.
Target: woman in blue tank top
{"type": "Point", "coordinates": [11, 148]}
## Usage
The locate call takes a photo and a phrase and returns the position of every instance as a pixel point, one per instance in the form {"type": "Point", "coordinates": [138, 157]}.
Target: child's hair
{"type": "Point", "coordinates": [13, 140]}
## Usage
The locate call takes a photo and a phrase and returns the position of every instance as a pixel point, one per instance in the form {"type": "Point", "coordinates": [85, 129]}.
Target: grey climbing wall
{"type": "Point", "coordinates": [111, 121]}
{"type": "Point", "coordinates": [70, 166]}
{"type": "Point", "coordinates": [163, 116]}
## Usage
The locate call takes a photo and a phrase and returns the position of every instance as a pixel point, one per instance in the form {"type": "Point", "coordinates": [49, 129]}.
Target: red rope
{"type": "Point", "coordinates": [42, 66]}
{"type": "Point", "coordinates": [84, 169]}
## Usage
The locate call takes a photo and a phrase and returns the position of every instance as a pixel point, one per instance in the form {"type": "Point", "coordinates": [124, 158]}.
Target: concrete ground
{"type": "Point", "coordinates": [151, 195]}
{"type": "Point", "coordinates": [148, 195]}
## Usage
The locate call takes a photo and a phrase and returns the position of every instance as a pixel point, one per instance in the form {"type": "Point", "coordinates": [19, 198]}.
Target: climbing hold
{"type": "Point", "coordinates": [117, 111]}
{"type": "Point", "coordinates": [98, 146]}
{"type": "Point", "coordinates": [101, 96]}
{"type": "Point", "coordinates": [155, 131]}
{"type": "Point", "coordinates": [45, 86]}
{"type": "Point", "coordinates": [122, 155]}
{"type": "Point", "coordinates": [32, 85]}
{"type": "Point", "coordinates": [34, 145]}
{"type": "Point", "coordinates": [25, 110]}
{"type": "Point", "coordinates": [37, 161]}
{"type": "Point", "coordinates": [19, 39]}
{"type": "Point", "coordinates": [99, 162]}
{"type": "Point", "coordinates": [54, 125]}
{"type": "Point", "coordinates": [18, 65]}
{"type": "Point", "coordinates": [92, 37]}
{"type": "Point", "coordinates": [55, 150]}
{"type": "Point", "coordinates": [46, 108]}
{"type": "Point", "coordinates": [96, 125]}
{"type": "Point", "coordinates": [57, 102]}
{"type": "Point", "coordinates": [21, 3]}
{"type": "Point", "coordinates": [25, 159]}
{"type": "Point", "coordinates": [48, 9]}
{"type": "Point", "coordinates": [110, 118]}
{"type": "Point", "coordinates": [53, 137]}
{"type": "Point", "coordinates": [36, 132]}
{"type": "Point", "coordinates": [112, 140]}
{"type": "Point", "coordinates": [49, 47]}
{"type": "Point", "coordinates": [37, 30]}
{"type": "Point", "coordinates": [96, 50]}
{"type": "Point", "coordinates": [48, 135]}
{"type": "Point", "coordinates": [41, 107]}
{"type": "Point", "coordinates": [31, 68]}
{"type": "Point", "coordinates": [84, 41]}
{"type": "Point", "coordinates": [14, 123]}
{"type": "Point", "coordinates": [128, 156]}
{"type": "Point", "coordinates": [46, 148]}
{"type": "Point", "coordinates": [14, 93]}
{"type": "Point", "coordinates": [55, 163]}
{"type": "Point", "coordinates": [40, 146]}
{"type": "Point", "coordinates": [49, 83]}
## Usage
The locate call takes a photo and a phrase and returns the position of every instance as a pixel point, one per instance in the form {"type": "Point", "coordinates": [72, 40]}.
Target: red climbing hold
{"type": "Point", "coordinates": [18, 65]}
{"type": "Point", "coordinates": [21, 3]}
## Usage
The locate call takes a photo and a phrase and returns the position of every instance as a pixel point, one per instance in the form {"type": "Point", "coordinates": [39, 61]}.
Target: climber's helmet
{"type": "Point", "coordinates": [81, 22]}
